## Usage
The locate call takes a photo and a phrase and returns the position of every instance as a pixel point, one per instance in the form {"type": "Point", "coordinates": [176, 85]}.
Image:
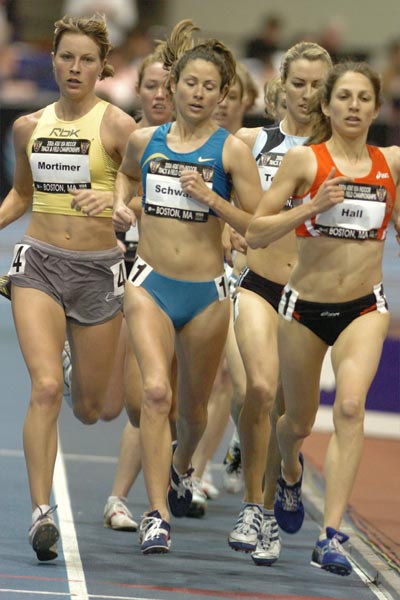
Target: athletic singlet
{"type": "Point", "coordinates": [269, 149]}
{"type": "Point", "coordinates": [161, 168]}
{"type": "Point", "coordinates": [368, 201]}
{"type": "Point", "coordinates": [69, 154]}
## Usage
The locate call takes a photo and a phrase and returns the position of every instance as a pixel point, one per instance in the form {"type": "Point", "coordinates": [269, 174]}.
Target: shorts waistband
{"type": "Point", "coordinates": [81, 255]}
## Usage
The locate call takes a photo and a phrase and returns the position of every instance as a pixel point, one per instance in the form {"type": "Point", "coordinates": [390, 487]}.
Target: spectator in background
{"type": "Point", "coordinates": [275, 99]}
{"type": "Point", "coordinates": [267, 41]}
{"type": "Point", "coordinates": [121, 15]}
{"type": "Point", "coordinates": [391, 90]}
{"type": "Point", "coordinates": [262, 55]}
{"type": "Point", "coordinates": [126, 60]}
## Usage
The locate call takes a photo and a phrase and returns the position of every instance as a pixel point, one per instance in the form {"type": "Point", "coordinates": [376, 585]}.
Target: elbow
{"type": "Point", "coordinates": [251, 239]}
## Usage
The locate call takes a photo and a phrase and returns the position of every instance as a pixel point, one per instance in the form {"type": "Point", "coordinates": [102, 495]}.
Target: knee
{"type": "Point", "coordinates": [300, 429]}
{"type": "Point", "coordinates": [350, 410]}
{"type": "Point", "coordinates": [87, 412]}
{"type": "Point", "coordinates": [261, 395]}
{"type": "Point", "coordinates": [47, 393]}
{"type": "Point", "coordinates": [158, 396]}
{"type": "Point", "coordinates": [110, 413]}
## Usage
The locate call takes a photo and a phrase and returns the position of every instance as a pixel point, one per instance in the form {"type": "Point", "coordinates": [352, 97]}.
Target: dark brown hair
{"type": "Point", "coordinates": [321, 125]}
{"type": "Point", "coordinates": [180, 48]}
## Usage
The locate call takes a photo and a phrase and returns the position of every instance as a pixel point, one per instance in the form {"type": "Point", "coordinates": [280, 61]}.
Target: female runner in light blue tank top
{"type": "Point", "coordinates": [177, 297]}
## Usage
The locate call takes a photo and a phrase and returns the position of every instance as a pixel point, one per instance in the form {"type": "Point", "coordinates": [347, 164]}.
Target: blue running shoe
{"type": "Point", "coordinates": [180, 491]}
{"type": "Point", "coordinates": [288, 507]}
{"type": "Point", "coordinates": [154, 534]}
{"type": "Point", "coordinates": [330, 555]}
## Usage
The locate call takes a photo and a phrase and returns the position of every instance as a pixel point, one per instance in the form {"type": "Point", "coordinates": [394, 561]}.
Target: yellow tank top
{"type": "Point", "coordinates": [67, 155]}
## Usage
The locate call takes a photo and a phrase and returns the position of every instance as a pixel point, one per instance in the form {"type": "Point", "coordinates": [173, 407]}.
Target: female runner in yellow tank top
{"type": "Point", "coordinates": [67, 273]}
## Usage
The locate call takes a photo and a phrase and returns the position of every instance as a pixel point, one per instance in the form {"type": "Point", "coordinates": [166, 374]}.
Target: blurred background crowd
{"type": "Point", "coordinates": [26, 30]}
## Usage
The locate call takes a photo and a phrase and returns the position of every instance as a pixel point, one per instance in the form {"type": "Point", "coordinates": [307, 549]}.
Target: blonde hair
{"type": "Point", "coordinates": [272, 89]}
{"type": "Point", "coordinates": [95, 27]}
{"type": "Point", "coordinates": [308, 50]}
{"type": "Point", "coordinates": [155, 57]}
{"type": "Point", "coordinates": [247, 84]}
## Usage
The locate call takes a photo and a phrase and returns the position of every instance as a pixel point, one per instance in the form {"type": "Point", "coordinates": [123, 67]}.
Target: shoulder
{"type": "Point", "coordinates": [24, 126]}
{"type": "Point", "coordinates": [142, 135]}
{"type": "Point", "coordinates": [299, 153]}
{"type": "Point", "coordinates": [299, 164]}
{"type": "Point", "coordinates": [117, 119]}
{"type": "Point", "coordinates": [234, 144]}
{"type": "Point", "coordinates": [139, 140]}
{"type": "Point", "coordinates": [248, 135]}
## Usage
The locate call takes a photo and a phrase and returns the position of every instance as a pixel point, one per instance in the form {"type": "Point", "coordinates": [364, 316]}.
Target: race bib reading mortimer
{"type": "Point", "coordinates": [60, 165]}
{"type": "Point", "coordinates": [165, 196]}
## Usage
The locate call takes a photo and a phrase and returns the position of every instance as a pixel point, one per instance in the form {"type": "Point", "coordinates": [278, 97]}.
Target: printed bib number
{"type": "Point", "coordinates": [119, 274]}
{"type": "Point", "coordinates": [140, 270]}
{"type": "Point", "coordinates": [19, 261]}
{"type": "Point", "coordinates": [221, 283]}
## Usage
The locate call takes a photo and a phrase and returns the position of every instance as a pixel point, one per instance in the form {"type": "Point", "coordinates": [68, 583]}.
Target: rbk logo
{"type": "Point", "coordinates": [64, 133]}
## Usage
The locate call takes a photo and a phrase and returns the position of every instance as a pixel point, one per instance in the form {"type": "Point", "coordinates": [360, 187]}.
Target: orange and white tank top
{"type": "Point", "coordinates": [67, 155]}
{"type": "Point", "coordinates": [368, 201]}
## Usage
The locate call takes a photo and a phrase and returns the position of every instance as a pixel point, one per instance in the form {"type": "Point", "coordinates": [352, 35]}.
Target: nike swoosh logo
{"type": "Point", "coordinates": [201, 159]}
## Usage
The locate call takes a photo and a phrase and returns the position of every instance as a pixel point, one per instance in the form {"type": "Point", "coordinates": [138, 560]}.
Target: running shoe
{"type": "Point", "coordinates": [117, 515]}
{"type": "Point", "coordinates": [244, 535]}
{"type": "Point", "coordinates": [329, 554]}
{"type": "Point", "coordinates": [66, 364]}
{"type": "Point", "coordinates": [154, 534]}
{"type": "Point", "coordinates": [5, 286]}
{"type": "Point", "coordinates": [232, 475]}
{"type": "Point", "coordinates": [207, 483]}
{"type": "Point", "coordinates": [180, 491]}
{"type": "Point", "coordinates": [43, 535]}
{"type": "Point", "coordinates": [269, 546]}
{"type": "Point", "coordinates": [288, 506]}
{"type": "Point", "coordinates": [198, 504]}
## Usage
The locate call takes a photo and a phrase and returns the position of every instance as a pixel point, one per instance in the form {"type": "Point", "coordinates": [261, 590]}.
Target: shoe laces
{"type": "Point", "coordinates": [185, 483]}
{"type": "Point", "coordinates": [45, 514]}
{"type": "Point", "coordinates": [120, 506]}
{"type": "Point", "coordinates": [266, 537]}
{"type": "Point", "coordinates": [249, 519]}
{"type": "Point", "coordinates": [152, 527]}
{"type": "Point", "coordinates": [335, 545]}
{"type": "Point", "coordinates": [291, 498]}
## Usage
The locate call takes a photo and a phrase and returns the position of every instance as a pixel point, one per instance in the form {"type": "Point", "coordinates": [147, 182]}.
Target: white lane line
{"type": "Point", "coordinates": [34, 593]}
{"type": "Point", "coordinates": [73, 563]}
{"type": "Point", "coordinates": [70, 595]}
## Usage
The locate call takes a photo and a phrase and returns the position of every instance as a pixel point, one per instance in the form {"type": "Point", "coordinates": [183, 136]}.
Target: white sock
{"type": "Point", "coordinates": [39, 510]}
{"type": "Point", "coordinates": [269, 513]}
{"type": "Point", "coordinates": [235, 440]}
